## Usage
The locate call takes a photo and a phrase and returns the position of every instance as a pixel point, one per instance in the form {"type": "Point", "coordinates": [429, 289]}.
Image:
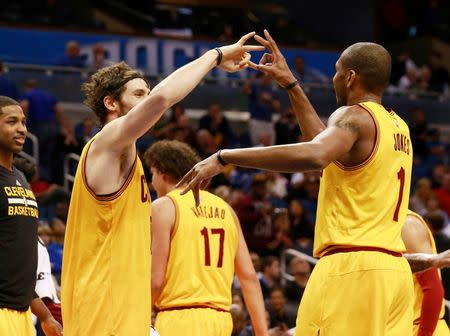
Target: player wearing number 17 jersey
{"type": "Point", "coordinates": [196, 251]}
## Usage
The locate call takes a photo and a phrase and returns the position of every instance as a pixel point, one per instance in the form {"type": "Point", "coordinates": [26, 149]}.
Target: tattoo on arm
{"type": "Point", "coordinates": [348, 123]}
{"type": "Point", "coordinates": [419, 262]}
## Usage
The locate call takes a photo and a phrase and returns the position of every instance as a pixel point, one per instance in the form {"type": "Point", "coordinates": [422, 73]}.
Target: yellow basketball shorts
{"type": "Point", "coordinates": [13, 322]}
{"type": "Point", "coordinates": [194, 322]}
{"type": "Point", "coordinates": [361, 293]}
{"type": "Point", "coordinates": [441, 329]}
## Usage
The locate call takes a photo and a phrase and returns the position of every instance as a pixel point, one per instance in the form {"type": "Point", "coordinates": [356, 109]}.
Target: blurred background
{"type": "Point", "coordinates": [49, 48]}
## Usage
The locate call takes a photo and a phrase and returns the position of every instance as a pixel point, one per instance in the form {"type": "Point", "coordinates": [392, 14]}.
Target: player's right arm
{"type": "Point", "coordinates": [163, 221]}
{"type": "Point", "coordinates": [251, 289]}
{"type": "Point", "coordinates": [417, 240]}
{"type": "Point", "coordinates": [275, 65]}
{"type": "Point", "coordinates": [123, 132]}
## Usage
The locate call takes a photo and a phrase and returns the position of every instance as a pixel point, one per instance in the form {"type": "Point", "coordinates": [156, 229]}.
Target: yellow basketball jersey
{"type": "Point", "coordinates": [106, 273]}
{"type": "Point", "coordinates": [365, 205]}
{"type": "Point", "coordinates": [418, 294]}
{"type": "Point", "coordinates": [203, 247]}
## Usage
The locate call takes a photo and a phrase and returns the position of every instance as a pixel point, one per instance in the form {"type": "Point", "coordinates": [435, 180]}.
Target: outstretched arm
{"type": "Point", "coordinates": [417, 240]}
{"type": "Point", "coordinates": [122, 132]}
{"type": "Point", "coordinates": [251, 289]}
{"type": "Point", "coordinates": [328, 146]}
{"type": "Point", "coordinates": [275, 65]}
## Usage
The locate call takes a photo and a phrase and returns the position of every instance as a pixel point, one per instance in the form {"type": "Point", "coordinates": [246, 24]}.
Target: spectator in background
{"type": "Point", "coordinates": [408, 81]}
{"type": "Point", "coordinates": [437, 149]}
{"type": "Point", "coordinates": [301, 270]}
{"type": "Point", "coordinates": [400, 66]}
{"type": "Point", "coordinates": [271, 274]}
{"type": "Point", "coordinates": [263, 104]}
{"type": "Point", "coordinates": [7, 87]}
{"type": "Point", "coordinates": [72, 57]}
{"type": "Point", "coordinates": [205, 143]}
{"type": "Point", "coordinates": [227, 33]}
{"type": "Point", "coordinates": [443, 194]}
{"type": "Point", "coordinates": [423, 79]}
{"type": "Point", "coordinates": [440, 78]}
{"type": "Point", "coordinates": [302, 230]}
{"type": "Point", "coordinates": [418, 127]}
{"type": "Point", "coordinates": [98, 57]}
{"type": "Point", "coordinates": [423, 192]}
{"type": "Point", "coordinates": [56, 247]}
{"type": "Point", "coordinates": [308, 74]}
{"type": "Point", "coordinates": [286, 128]}
{"type": "Point", "coordinates": [43, 113]}
{"type": "Point", "coordinates": [279, 315]}
{"type": "Point", "coordinates": [218, 125]}
{"type": "Point", "coordinates": [254, 212]}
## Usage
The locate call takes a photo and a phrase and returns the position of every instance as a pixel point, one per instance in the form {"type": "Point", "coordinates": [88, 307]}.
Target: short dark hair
{"type": "Point", "coordinates": [7, 101]}
{"type": "Point", "coordinates": [371, 61]}
{"type": "Point", "coordinates": [267, 262]}
{"type": "Point", "coordinates": [171, 157]}
{"type": "Point", "coordinates": [108, 81]}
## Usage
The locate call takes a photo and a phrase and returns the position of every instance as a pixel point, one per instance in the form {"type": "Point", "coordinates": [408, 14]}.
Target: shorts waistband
{"type": "Point", "coordinates": [361, 249]}
{"type": "Point", "coordinates": [193, 307]}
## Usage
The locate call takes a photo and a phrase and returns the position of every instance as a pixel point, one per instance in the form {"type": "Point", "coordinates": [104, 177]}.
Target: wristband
{"type": "Point", "coordinates": [220, 159]}
{"type": "Point", "coordinates": [292, 85]}
{"type": "Point", "coordinates": [219, 57]}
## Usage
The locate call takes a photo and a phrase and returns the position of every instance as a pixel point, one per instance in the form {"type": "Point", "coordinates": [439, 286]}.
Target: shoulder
{"type": "Point", "coordinates": [163, 212]}
{"type": "Point", "coordinates": [353, 118]}
{"type": "Point", "coordinates": [161, 203]}
{"type": "Point", "coordinates": [415, 234]}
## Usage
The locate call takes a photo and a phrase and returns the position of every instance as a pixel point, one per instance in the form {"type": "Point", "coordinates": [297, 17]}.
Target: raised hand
{"type": "Point", "coordinates": [273, 63]}
{"type": "Point", "coordinates": [199, 176]}
{"type": "Point", "coordinates": [236, 56]}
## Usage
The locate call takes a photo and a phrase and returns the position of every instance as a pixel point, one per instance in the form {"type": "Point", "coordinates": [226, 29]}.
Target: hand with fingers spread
{"type": "Point", "coordinates": [236, 56]}
{"type": "Point", "coordinates": [273, 63]}
{"type": "Point", "coordinates": [200, 175]}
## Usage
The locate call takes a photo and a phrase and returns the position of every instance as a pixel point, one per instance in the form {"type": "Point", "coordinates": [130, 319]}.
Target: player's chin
{"type": "Point", "coordinates": [16, 148]}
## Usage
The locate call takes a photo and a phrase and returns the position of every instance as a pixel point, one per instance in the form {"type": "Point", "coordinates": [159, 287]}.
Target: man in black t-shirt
{"type": "Point", "coordinates": [18, 234]}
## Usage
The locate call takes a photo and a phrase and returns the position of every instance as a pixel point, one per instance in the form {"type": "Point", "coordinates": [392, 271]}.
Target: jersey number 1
{"type": "Point", "coordinates": [401, 177]}
{"type": "Point", "coordinates": [205, 234]}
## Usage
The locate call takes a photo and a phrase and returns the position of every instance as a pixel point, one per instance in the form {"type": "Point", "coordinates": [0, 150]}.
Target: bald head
{"type": "Point", "coordinates": [371, 62]}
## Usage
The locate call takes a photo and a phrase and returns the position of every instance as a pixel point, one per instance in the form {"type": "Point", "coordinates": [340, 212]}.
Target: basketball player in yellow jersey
{"type": "Point", "coordinates": [106, 263]}
{"type": "Point", "coordinates": [196, 251]}
{"type": "Point", "coordinates": [429, 294]}
{"type": "Point", "coordinates": [361, 285]}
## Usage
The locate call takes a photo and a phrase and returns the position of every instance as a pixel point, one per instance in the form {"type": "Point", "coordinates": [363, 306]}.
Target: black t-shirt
{"type": "Point", "coordinates": [18, 236]}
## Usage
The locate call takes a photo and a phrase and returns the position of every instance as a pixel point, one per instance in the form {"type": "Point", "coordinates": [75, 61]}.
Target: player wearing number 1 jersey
{"type": "Point", "coordinates": [361, 286]}
{"type": "Point", "coordinates": [196, 251]}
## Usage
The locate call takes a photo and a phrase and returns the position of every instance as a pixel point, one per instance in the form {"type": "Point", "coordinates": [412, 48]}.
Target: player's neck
{"type": "Point", "coordinates": [367, 97]}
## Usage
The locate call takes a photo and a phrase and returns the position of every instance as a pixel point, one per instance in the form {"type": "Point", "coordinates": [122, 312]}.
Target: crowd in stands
{"type": "Point", "coordinates": [431, 76]}
{"type": "Point", "coordinates": [276, 211]}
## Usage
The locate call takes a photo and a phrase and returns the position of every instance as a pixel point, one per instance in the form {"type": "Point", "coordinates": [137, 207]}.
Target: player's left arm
{"type": "Point", "coordinates": [251, 288]}
{"type": "Point", "coordinates": [163, 221]}
{"type": "Point", "coordinates": [417, 240]}
{"type": "Point", "coordinates": [49, 325]}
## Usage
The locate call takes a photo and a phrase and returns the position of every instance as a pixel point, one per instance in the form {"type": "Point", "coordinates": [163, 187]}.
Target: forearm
{"type": "Point", "coordinates": [307, 118]}
{"type": "Point", "coordinates": [285, 158]}
{"type": "Point", "coordinates": [39, 309]}
{"type": "Point", "coordinates": [251, 290]}
{"type": "Point", "coordinates": [420, 262]}
{"type": "Point", "coordinates": [181, 82]}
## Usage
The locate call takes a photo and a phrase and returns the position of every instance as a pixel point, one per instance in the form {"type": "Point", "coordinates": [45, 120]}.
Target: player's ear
{"type": "Point", "coordinates": [110, 103]}
{"type": "Point", "coordinates": [351, 76]}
